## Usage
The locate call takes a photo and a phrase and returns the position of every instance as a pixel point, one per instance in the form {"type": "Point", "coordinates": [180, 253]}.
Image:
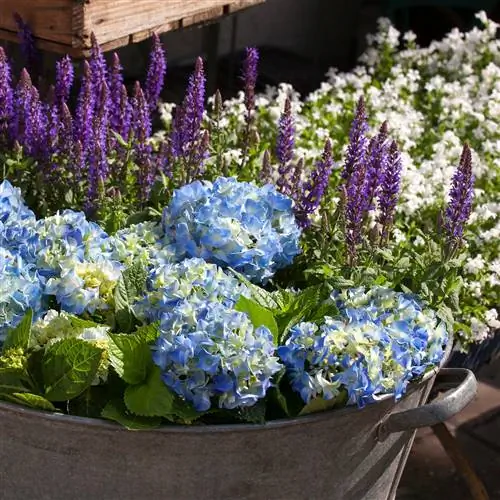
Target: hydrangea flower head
{"type": "Point", "coordinates": [20, 289]}
{"type": "Point", "coordinates": [234, 224]}
{"type": "Point", "coordinates": [12, 207]}
{"type": "Point", "coordinates": [382, 340]}
{"type": "Point", "coordinates": [85, 286]}
{"type": "Point", "coordinates": [211, 355]}
{"type": "Point", "coordinates": [191, 279]}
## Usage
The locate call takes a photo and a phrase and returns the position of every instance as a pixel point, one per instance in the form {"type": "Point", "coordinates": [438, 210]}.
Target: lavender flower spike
{"type": "Point", "coordinates": [284, 148]}
{"type": "Point", "coordinates": [6, 97]}
{"type": "Point", "coordinates": [250, 79]}
{"type": "Point", "coordinates": [358, 142]}
{"type": "Point", "coordinates": [115, 83]}
{"type": "Point", "coordinates": [354, 192]}
{"type": "Point", "coordinates": [85, 110]}
{"type": "Point", "coordinates": [376, 164]}
{"type": "Point", "coordinates": [156, 74]}
{"type": "Point", "coordinates": [98, 68]}
{"type": "Point", "coordinates": [315, 188]}
{"type": "Point", "coordinates": [194, 103]}
{"type": "Point", "coordinates": [461, 194]}
{"type": "Point", "coordinates": [64, 80]}
{"type": "Point", "coordinates": [389, 191]}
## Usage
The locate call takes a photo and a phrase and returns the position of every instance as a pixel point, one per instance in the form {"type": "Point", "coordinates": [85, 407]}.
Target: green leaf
{"type": "Point", "coordinates": [255, 414]}
{"type": "Point", "coordinates": [319, 404]}
{"type": "Point", "coordinates": [259, 316]}
{"type": "Point", "coordinates": [32, 400]}
{"type": "Point", "coordinates": [152, 398]}
{"type": "Point", "coordinates": [184, 412]}
{"type": "Point", "coordinates": [148, 333]}
{"type": "Point", "coordinates": [259, 295]}
{"type": "Point", "coordinates": [445, 314]}
{"type": "Point", "coordinates": [19, 337]}
{"type": "Point", "coordinates": [131, 284]}
{"type": "Point", "coordinates": [13, 380]}
{"type": "Point", "coordinates": [117, 411]}
{"type": "Point", "coordinates": [78, 323]}
{"type": "Point", "coordinates": [68, 368]}
{"type": "Point", "coordinates": [130, 356]}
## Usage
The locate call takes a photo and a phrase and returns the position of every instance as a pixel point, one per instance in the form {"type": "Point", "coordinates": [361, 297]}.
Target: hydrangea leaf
{"type": "Point", "coordinates": [21, 334]}
{"type": "Point", "coordinates": [184, 412]}
{"type": "Point", "coordinates": [32, 400]}
{"type": "Point", "coordinates": [152, 398]}
{"type": "Point", "coordinates": [259, 295]}
{"type": "Point", "coordinates": [130, 285]}
{"type": "Point", "coordinates": [259, 316]}
{"type": "Point", "coordinates": [320, 404]}
{"type": "Point", "coordinates": [68, 368]}
{"type": "Point", "coordinates": [82, 323]}
{"type": "Point", "coordinates": [130, 356]}
{"type": "Point", "coordinates": [117, 411]}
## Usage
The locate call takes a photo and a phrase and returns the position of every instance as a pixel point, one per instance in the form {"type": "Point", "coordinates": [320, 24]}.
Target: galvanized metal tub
{"type": "Point", "coordinates": [346, 454]}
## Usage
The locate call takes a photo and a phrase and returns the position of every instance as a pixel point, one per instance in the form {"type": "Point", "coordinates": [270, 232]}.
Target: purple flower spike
{"type": "Point", "coordinates": [389, 191]}
{"type": "Point", "coordinates": [354, 192]}
{"type": "Point", "coordinates": [115, 85]}
{"type": "Point", "coordinates": [358, 143]}
{"type": "Point", "coordinates": [266, 170]}
{"type": "Point", "coordinates": [28, 46]}
{"type": "Point", "coordinates": [156, 74]}
{"type": "Point", "coordinates": [98, 69]}
{"type": "Point", "coordinates": [141, 123]}
{"type": "Point", "coordinates": [250, 79]}
{"type": "Point", "coordinates": [377, 159]}
{"type": "Point", "coordinates": [6, 97]}
{"type": "Point", "coordinates": [85, 110]}
{"type": "Point", "coordinates": [125, 123]}
{"type": "Point", "coordinates": [284, 148]}
{"type": "Point", "coordinates": [65, 137]}
{"type": "Point", "coordinates": [315, 188]}
{"type": "Point", "coordinates": [28, 126]}
{"type": "Point", "coordinates": [64, 80]}
{"type": "Point", "coordinates": [461, 195]}
{"type": "Point", "coordinates": [194, 103]}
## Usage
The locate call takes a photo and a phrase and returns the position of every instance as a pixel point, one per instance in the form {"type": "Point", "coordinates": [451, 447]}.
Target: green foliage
{"type": "Point", "coordinates": [259, 316]}
{"type": "Point", "coordinates": [21, 334]}
{"type": "Point", "coordinates": [68, 368]}
{"type": "Point", "coordinates": [117, 411]}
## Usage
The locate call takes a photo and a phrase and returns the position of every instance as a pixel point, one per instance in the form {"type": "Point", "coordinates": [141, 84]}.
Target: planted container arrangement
{"type": "Point", "coordinates": [252, 315]}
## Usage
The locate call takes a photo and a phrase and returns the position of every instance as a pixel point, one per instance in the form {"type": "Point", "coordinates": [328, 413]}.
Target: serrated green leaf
{"type": "Point", "coordinates": [131, 284]}
{"type": "Point", "coordinates": [130, 356]}
{"type": "Point", "coordinates": [149, 333]}
{"type": "Point", "coordinates": [117, 411]}
{"type": "Point", "coordinates": [184, 412]}
{"type": "Point", "coordinates": [152, 398]}
{"type": "Point", "coordinates": [259, 316]}
{"type": "Point", "coordinates": [19, 337]}
{"type": "Point", "coordinates": [319, 404]}
{"type": "Point", "coordinates": [77, 322]}
{"type": "Point", "coordinates": [33, 401]}
{"type": "Point", "coordinates": [259, 295]}
{"type": "Point", "coordinates": [68, 368]}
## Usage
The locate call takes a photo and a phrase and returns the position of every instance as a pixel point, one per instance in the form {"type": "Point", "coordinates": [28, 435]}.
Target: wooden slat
{"type": "Point", "coordinates": [51, 20]}
{"type": "Point", "coordinates": [242, 4]}
{"type": "Point", "coordinates": [65, 26]}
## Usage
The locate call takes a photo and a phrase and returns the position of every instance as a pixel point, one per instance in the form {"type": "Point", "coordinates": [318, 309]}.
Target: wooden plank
{"type": "Point", "coordinates": [202, 17]}
{"type": "Point", "coordinates": [50, 19]}
{"type": "Point", "coordinates": [110, 20]}
{"type": "Point", "coordinates": [242, 4]}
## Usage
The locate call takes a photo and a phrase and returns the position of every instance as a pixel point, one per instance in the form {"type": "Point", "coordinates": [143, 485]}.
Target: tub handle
{"type": "Point", "coordinates": [460, 385]}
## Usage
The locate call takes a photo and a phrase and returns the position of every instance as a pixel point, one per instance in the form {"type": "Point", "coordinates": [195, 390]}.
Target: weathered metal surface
{"type": "Point", "coordinates": [334, 455]}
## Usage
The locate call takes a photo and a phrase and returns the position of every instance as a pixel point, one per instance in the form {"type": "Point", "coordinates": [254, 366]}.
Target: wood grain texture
{"type": "Point", "coordinates": [51, 20]}
{"type": "Point", "coordinates": [66, 25]}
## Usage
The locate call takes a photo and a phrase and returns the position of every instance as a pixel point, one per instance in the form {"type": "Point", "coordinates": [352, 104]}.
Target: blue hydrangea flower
{"type": "Point", "coordinates": [145, 242]}
{"type": "Point", "coordinates": [20, 290]}
{"type": "Point", "coordinates": [12, 206]}
{"type": "Point", "coordinates": [192, 279]}
{"type": "Point", "coordinates": [85, 286]}
{"type": "Point", "coordinates": [382, 340]}
{"type": "Point", "coordinates": [234, 224]}
{"type": "Point", "coordinates": [69, 234]}
{"type": "Point", "coordinates": [211, 355]}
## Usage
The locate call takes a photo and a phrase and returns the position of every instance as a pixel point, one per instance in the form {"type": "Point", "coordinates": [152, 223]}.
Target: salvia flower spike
{"type": "Point", "coordinates": [389, 191]}
{"type": "Point", "coordinates": [358, 142]}
{"type": "Point", "coordinates": [315, 187]}
{"type": "Point", "coordinates": [6, 97]}
{"type": "Point", "coordinates": [461, 195]}
{"type": "Point", "coordinates": [156, 74]}
{"type": "Point", "coordinates": [64, 80]}
{"type": "Point", "coordinates": [285, 148]}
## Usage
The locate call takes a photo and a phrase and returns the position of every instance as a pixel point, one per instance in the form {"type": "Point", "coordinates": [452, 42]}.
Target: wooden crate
{"type": "Point", "coordinates": [65, 25]}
